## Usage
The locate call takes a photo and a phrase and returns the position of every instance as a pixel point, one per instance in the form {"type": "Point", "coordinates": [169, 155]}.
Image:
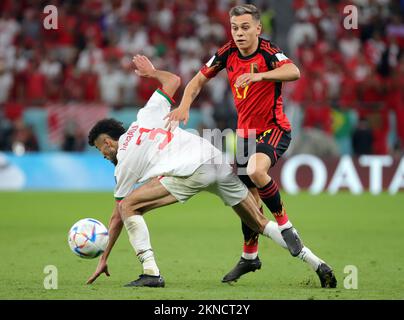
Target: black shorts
{"type": "Point", "coordinates": [273, 142]}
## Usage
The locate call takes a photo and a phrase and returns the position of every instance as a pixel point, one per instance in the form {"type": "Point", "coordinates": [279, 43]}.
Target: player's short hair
{"type": "Point", "coordinates": [111, 127]}
{"type": "Point", "coordinates": [245, 9]}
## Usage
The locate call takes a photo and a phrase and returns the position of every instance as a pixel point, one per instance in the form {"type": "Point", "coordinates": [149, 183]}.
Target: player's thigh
{"type": "Point", "coordinates": [149, 196]}
{"type": "Point", "coordinates": [158, 203]}
{"type": "Point", "coordinates": [258, 163]}
{"type": "Point", "coordinates": [272, 143]}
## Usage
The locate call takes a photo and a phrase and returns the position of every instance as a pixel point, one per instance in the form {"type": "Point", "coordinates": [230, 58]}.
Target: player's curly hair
{"type": "Point", "coordinates": [245, 9]}
{"type": "Point", "coordinates": [111, 127]}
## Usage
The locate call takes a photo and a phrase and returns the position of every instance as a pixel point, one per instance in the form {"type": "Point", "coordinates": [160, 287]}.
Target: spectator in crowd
{"type": "Point", "coordinates": [85, 59]}
{"type": "Point", "coordinates": [111, 84]}
{"type": "Point", "coordinates": [73, 140]}
{"type": "Point", "coordinates": [6, 132]}
{"type": "Point", "coordinates": [6, 82]}
{"type": "Point", "coordinates": [362, 138]}
{"type": "Point", "coordinates": [23, 138]}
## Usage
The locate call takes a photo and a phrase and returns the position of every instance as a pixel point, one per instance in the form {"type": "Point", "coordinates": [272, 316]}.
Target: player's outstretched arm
{"type": "Point", "coordinates": [114, 230]}
{"type": "Point", "coordinates": [286, 72]}
{"type": "Point", "coordinates": [190, 93]}
{"type": "Point", "coordinates": [144, 68]}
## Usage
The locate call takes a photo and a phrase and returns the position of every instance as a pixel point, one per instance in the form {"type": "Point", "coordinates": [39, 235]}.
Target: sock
{"type": "Point", "coordinates": [307, 256]}
{"type": "Point", "coordinates": [250, 247]}
{"type": "Point", "coordinates": [272, 231]}
{"type": "Point", "coordinates": [271, 197]}
{"type": "Point", "coordinates": [140, 241]}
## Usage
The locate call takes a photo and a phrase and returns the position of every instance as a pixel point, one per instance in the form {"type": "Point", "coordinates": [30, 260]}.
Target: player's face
{"type": "Point", "coordinates": [108, 147]}
{"type": "Point", "coordinates": [245, 31]}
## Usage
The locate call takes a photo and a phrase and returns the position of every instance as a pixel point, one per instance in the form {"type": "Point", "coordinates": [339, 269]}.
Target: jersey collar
{"type": "Point", "coordinates": [252, 54]}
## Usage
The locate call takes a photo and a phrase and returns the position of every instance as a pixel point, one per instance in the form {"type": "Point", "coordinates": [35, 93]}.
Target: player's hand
{"type": "Point", "coordinates": [101, 268]}
{"type": "Point", "coordinates": [246, 79]}
{"type": "Point", "coordinates": [175, 117]}
{"type": "Point", "coordinates": [143, 65]}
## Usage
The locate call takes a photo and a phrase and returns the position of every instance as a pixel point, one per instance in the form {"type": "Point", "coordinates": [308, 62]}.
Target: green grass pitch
{"type": "Point", "coordinates": [197, 243]}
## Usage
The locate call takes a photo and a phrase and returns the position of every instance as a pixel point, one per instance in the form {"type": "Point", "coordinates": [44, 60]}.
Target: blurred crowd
{"type": "Point", "coordinates": [352, 79]}
{"type": "Point", "coordinates": [351, 89]}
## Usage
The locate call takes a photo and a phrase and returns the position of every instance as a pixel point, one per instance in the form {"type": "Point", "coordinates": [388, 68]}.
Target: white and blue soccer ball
{"type": "Point", "coordinates": [88, 238]}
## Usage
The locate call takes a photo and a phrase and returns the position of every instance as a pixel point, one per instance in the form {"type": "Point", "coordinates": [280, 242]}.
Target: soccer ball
{"type": "Point", "coordinates": [88, 238]}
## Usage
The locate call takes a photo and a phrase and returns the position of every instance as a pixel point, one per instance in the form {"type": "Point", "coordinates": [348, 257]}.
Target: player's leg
{"type": "Point", "coordinates": [258, 166]}
{"type": "Point", "coordinates": [234, 193]}
{"type": "Point", "coordinates": [252, 216]}
{"type": "Point", "coordinates": [250, 247]}
{"type": "Point", "coordinates": [149, 196]}
{"type": "Point", "coordinates": [249, 254]}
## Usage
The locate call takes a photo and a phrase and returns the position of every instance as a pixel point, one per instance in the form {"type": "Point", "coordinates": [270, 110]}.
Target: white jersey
{"type": "Point", "coordinates": [147, 150]}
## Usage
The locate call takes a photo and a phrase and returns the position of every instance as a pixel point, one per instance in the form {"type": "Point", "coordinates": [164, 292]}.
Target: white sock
{"type": "Point", "coordinates": [272, 231]}
{"type": "Point", "coordinates": [249, 256]}
{"type": "Point", "coordinates": [309, 257]}
{"type": "Point", "coordinates": [140, 240]}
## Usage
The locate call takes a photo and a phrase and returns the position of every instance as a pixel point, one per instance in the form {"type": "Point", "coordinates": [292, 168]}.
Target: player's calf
{"type": "Point", "coordinates": [271, 197]}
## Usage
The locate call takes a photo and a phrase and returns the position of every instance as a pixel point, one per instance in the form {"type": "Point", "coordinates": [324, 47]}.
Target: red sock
{"type": "Point", "coordinates": [250, 247]}
{"type": "Point", "coordinates": [271, 197]}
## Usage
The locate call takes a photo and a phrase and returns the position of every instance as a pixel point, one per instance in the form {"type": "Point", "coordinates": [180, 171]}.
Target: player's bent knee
{"type": "Point", "coordinates": [259, 177]}
{"type": "Point", "coordinates": [123, 209]}
{"type": "Point", "coordinates": [126, 208]}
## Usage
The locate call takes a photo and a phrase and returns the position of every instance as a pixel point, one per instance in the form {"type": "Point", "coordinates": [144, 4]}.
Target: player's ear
{"type": "Point", "coordinates": [108, 141]}
{"type": "Point", "coordinates": [259, 29]}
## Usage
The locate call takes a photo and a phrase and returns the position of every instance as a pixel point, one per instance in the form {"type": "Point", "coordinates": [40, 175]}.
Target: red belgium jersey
{"type": "Point", "coordinates": [259, 105]}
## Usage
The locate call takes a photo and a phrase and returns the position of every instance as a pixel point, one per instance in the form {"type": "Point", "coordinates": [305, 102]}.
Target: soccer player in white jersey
{"type": "Point", "coordinates": [174, 166]}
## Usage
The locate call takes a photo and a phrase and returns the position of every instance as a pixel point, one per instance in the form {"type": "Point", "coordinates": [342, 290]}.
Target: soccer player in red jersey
{"type": "Point", "coordinates": [256, 69]}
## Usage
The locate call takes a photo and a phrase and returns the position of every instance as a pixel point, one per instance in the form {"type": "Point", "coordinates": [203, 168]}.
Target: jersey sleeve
{"type": "Point", "coordinates": [274, 56]}
{"type": "Point", "coordinates": [217, 62]}
{"type": "Point", "coordinates": [153, 113]}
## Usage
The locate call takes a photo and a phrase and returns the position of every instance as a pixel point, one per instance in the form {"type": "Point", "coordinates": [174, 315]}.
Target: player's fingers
{"type": "Point", "coordinates": [239, 81]}
{"type": "Point", "coordinates": [170, 118]}
{"type": "Point", "coordinates": [92, 279]}
{"type": "Point", "coordinates": [174, 125]}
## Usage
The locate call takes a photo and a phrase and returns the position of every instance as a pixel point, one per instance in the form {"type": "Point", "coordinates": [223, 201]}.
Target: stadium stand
{"type": "Point", "coordinates": [351, 81]}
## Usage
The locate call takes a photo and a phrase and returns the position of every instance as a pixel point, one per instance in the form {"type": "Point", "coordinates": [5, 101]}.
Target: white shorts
{"type": "Point", "coordinates": [215, 178]}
